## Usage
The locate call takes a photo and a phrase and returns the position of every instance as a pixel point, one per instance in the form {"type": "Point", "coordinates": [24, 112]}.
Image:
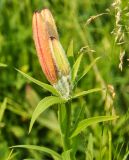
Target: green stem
{"type": "Point", "coordinates": [110, 145]}
{"type": "Point", "coordinates": [65, 124]}
{"type": "Point", "coordinates": [68, 126]}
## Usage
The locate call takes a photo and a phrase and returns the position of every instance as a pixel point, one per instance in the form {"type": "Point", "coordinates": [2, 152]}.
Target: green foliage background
{"type": "Point", "coordinates": [18, 97]}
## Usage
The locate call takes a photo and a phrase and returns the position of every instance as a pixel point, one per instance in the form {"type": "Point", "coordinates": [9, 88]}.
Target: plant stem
{"type": "Point", "coordinates": [110, 145]}
{"type": "Point", "coordinates": [68, 126]}
{"type": "Point", "coordinates": [65, 124]}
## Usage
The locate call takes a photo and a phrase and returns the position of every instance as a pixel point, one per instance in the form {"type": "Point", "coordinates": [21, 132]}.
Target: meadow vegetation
{"type": "Point", "coordinates": [96, 29]}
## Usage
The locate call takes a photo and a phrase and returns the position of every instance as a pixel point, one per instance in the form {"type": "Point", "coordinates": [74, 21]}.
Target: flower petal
{"type": "Point", "coordinates": [41, 39]}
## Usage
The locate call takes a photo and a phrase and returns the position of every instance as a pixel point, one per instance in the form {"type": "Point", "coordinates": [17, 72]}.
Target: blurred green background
{"type": "Point", "coordinates": [19, 97]}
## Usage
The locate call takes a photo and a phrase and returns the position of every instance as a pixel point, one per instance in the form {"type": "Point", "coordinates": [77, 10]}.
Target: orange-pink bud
{"type": "Point", "coordinates": [51, 55]}
{"type": "Point", "coordinates": [42, 30]}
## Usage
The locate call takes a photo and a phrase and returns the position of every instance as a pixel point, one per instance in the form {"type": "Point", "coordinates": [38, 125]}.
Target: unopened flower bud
{"type": "Point", "coordinates": [51, 54]}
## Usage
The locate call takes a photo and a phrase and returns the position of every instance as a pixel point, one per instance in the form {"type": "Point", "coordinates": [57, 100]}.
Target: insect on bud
{"type": "Point", "coordinates": [50, 52]}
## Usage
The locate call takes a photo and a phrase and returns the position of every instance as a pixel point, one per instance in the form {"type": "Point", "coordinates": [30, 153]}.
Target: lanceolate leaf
{"type": "Point", "coordinates": [41, 84]}
{"type": "Point", "coordinates": [66, 155]}
{"type": "Point", "coordinates": [76, 67]}
{"type": "Point", "coordinates": [10, 154]}
{"type": "Point", "coordinates": [70, 49]}
{"type": "Point", "coordinates": [90, 121]}
{"type": "Point", "coordinates": [83, 93]}
{"type": "Point", "coordinates": [2, 109]}
{"type": "Point", "coordinates": [3, 65]}
{"type": "Point", "coordinates": [70, 54]}
{"type": "Point", "coordinates": [126, 155]}
{"type": "Point", "coordinates": [38, 148]}
{"type": "Point", "coordinates": [89, 149]}
{"type": "Point", "coordinates": [87, 69]}
{"type": "Point", "coordinates": [43, 105]}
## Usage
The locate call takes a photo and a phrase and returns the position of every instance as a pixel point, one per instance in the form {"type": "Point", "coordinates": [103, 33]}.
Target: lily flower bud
{"type": "Point", "coordinates": [51, 55]}
{"type": "Point", "coordinates": [41, 39]}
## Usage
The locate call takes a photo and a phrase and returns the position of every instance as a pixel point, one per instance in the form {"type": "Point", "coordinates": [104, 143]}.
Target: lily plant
{"type": "Point", "coordinates": [63, 80]}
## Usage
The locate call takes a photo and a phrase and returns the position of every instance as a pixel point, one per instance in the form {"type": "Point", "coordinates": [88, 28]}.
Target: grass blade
{"type": "Point", "coordinates": [76, 67]}
{"type": "Point", "coordinates": [10, 154]}
{"type": "Point", "coordinates": [90, 121]}
{"type": "Point", "coordinates": [110, 144]}
{"type": "Point", "coordinates": [89, 149]}
{"type": "Point", "coordinates": [70, 49]}
{"type": "Point", "coordinates": [70, 53]}
{"type": "Point", "coordinates": [3, 65]}
{"type": "Point", "coordinates": [39, 148]}
{"type": "Point", "coordinates": [41, 84]}
{"type": "Point", "coordinates": [2, 109]}
{"type": "Point", "coordinates": [83, 93]}
{"type": "Point", "coordinates": [87, 69]}
{"type": "Point", "coordinates": [126, 156]}
{"type": "Point", "coordinates": [43, 105]}
{"type": "Point", "coordinates": [66, 155]}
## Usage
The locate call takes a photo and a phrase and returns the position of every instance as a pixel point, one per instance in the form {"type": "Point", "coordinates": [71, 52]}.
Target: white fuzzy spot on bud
{"type": "Point", "coordinates": [64, 86]}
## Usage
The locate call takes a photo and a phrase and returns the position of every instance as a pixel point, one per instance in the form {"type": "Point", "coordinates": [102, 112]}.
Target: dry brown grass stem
{"type": "Point", "coordinates": [118, 30]}
{"type": "Point", "coordinates": [92, 18]}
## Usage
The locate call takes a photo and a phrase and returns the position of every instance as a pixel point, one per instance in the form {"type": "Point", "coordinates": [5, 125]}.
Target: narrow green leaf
{"type": "Point", "coordinates": [83, 93]}
{"type": "Point", "coordinates": [76, 67]}
{"type": "Point", "coordinates": [2, 109]}
{"type": "Point", "coordinates": [90, 121]}
{"type": "Point", "coordinates": [103, 152]}
{"type": "Point", "coordinates": [29, 159]}
{"type": "Point", "coordinates": [10, 154]}
{"type": "Point", "coordinates": [110, 145]}
{"type": "Point", "coordinates": [89, 149]}
{"type": "Point", "coordinates": [126, 156]}
{"type": "Point", "coordinates": [43, 105]}
{"type": "Point", "coordinates": [39, 148]}
{"type": "Point", "coordinates": [87, 69]}
{"type": "Point", "coordinates": [62, 117]}
{"type": "Point", "coordinates": [41, 84]}
{"type": "Point", "coordinates": [66, 155]}
{"type": "Point", "coordinates": [3, 65]}
{"type": "Point", "coordinates": [70, 49]}
{"type": "Point", "coordinates": [70, 54]}
{"type": "Point", "coordinates": [78, 117]}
